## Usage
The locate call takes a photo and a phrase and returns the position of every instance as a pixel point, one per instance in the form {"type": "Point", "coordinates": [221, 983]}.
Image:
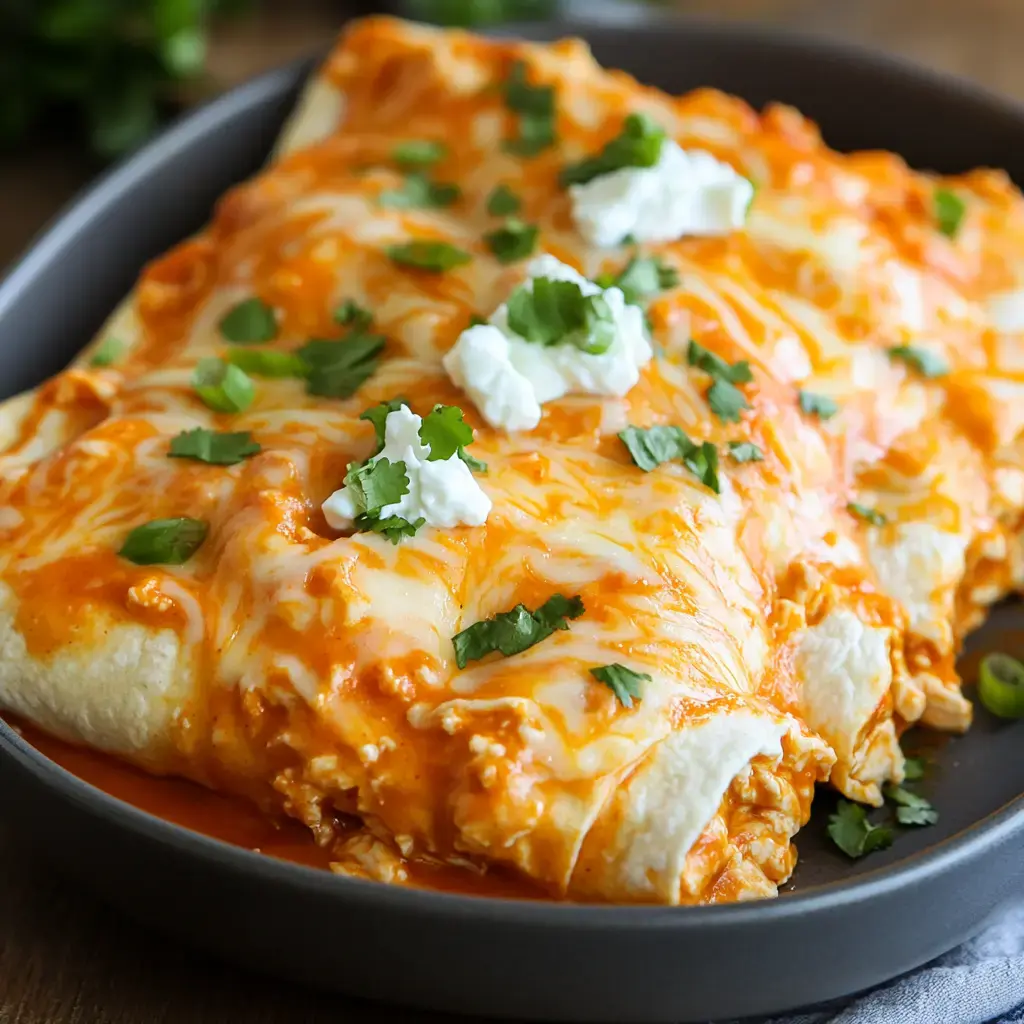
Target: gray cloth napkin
{"type": "Point", "coordinates": [980, 982]}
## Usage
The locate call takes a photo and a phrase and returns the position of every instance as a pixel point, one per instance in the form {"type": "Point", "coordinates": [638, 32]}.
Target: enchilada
{"type": "Point", "coordinates": [744, 561]}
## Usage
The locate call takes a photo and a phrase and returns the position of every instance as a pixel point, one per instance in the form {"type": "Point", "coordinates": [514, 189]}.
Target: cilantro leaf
{"type": "Point", "coordinates": [927, 363]}
{"type": "Point", "coordinates": [394, 528]}
{"type": "Point", "coordinates": [745, 451]}
{"type": "Point", "coordinates": [446, 434]}
{"type": "Point", "coordinates": [218, 449]}
{"type": "Point", "coordinates": [429, 255]}
{"type": "Point", "coordinates": [268, 362]}
{"type": "Point", "coordinates": [250, 322]}
{"type": "Point", "coordinates": [817, 405]}
{"type": "Point", "coordinates": [913, 769]}
{"type": "Point", "coordinates": [717, 367]}
{"type": "Point", "coordinates": [702, 462]}
{"type": "Point", "coordinates": [515, 631]}
{"type": "Point", "coordinates": [374, 485]}
{"type": "Point", "coordinates": [536, 133]}
{"type": "Point", "coordinates": [378, 416]}
{"type": "Point", "coordinates": [637, 145]}
{"type": "Point", "coordinates": [351, 314]}
{"type": "Point", "coordinates": [912, 809]}
{"type": "Point", "coordinates": [418, 192]}
{"type": "Point", "coordinates": [164, 541]}
{"type": "Point", "coordinates": [337, 369]}
{"type": "Point", "coordinates": [535, 106]}
{"type": "Point", "coordinates": [868, 514]}
{"type": "Point", "coordinates": [108, 352]}
{"type": "Point", "coordinates": [949, 211]}
{"type": "Point", "coordinates": [851, 831]}
{"type": "Point", "coordinates": [651, 447]}
{"type": "Point", "coordinates": [916, 815]}
{"type": "Point", "coordinates": [503, 202]}
{"type": "Point", "coordinates": [417, 153]}
{"type": "Point", "coordinates": [557, 312]}
{"type": "Point", "coordinates": [514, 241]}
{"type": "Point", "coordinates": [622, 681]}
{"type": "Point", "coordinates": [726, 401]}
{"type": "Point", "coordinates": [642, 277]}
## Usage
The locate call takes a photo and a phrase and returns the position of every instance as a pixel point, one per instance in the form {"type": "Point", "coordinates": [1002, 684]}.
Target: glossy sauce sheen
{"type": "Point", "coordinates": [313, 673]}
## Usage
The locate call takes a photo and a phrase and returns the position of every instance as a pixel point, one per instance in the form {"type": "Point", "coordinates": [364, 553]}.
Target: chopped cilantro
{"type": "Point", "coordinates": [622, 681]}
{"type": "Point", "coordinates": [442, 430]}
{"type": "Point", "coordinates": [445, 433]}
{"type": "Point", "coordinates": [503, 202]}
{"type": "Point", "coordinates": [250, 322]}
{"type": "Point", "coordinates": [851, 831]}
{"type": "Point", "coordinates": [717, 367]}
{"type": "Point", "coordinates": [219, 449]}
{"type": "Point", "coordinates": [164, 541]}
{"type": "Point", "coordinates": [637, 145]}
{"type": "Point", "coordinates": [557, 312]}
{"type": "Point", "coordinates": [337, 369]}
{"type": "Point", "coordinates": [726, 400]}
{"type": "Point", "coordinates": [928, 364]}
{"type": "Point", "coordinates": [651, 447]}
{"type": "Point", "coordinates": [911, 809]}
{"type": "Point", "coordinates": [535, 107]}
{"type": "Point", "coordinates": [378, 416]}
{"type": "Point", "coordinates": [913, 769]}
{"type": "Point", "coordinates": [642, 277]}
{"type": "Point", "coordinates": [515, 631]}
{"type": "Point", "coordinates": [514, 241]}
{"type": "Point", "coordinates": [818, 405]}
{"type": "Point", "coordinates": [376, 484]}
{"type": "Point", "coordinates": [745, 451]}
{"type": "Point", "coordinates": [351, 314]}
{"type": "Point", "coordinates": [394, 528]}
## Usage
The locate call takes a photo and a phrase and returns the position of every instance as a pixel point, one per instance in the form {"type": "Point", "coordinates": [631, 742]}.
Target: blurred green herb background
{"type": "Point", "coordinates": [113, 65]}
{"type": "Point", "coordinates": [109, 71]}
{"type": "Point", "coordinates": [479, 12]}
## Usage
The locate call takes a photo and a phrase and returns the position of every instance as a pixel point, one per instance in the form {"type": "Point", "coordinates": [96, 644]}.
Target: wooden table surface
{"type": "Point", "coordinates": [65, 959]}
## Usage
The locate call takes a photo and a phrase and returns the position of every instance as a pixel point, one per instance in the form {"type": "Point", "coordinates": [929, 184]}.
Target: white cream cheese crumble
{"type": "Point", "coordinates": [684, 193]}
{"type": "Point", "coordinates": [443, 492]}
{"type": "Point", "coordinates": [509, 378]}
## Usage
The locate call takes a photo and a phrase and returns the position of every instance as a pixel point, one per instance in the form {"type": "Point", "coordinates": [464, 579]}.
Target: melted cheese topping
{"type": "Point", "coordinates": [312, 670]}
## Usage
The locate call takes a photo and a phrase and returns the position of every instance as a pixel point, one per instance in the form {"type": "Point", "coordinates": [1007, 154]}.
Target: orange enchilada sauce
{"type": "Point", "coordinates": [233, 820]}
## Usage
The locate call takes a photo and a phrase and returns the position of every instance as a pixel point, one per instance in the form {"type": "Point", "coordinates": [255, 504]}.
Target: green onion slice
{"type": "Point", "coordinates": [223, 386]}
{"type": "Point", "coordinates": [1001, 685]}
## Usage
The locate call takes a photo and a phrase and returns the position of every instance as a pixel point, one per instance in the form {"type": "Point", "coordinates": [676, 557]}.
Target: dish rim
{"type": "Point", "coordinates": [92, 202]}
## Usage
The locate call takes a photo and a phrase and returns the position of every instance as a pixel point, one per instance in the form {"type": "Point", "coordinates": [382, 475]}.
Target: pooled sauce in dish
{"type": "Point", "coordinates": [232, 820]}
